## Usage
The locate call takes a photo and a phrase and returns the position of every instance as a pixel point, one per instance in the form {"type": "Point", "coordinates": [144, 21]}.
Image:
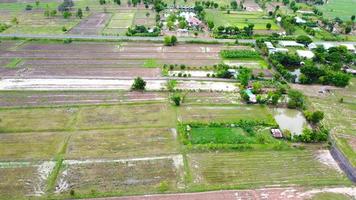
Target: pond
{"type": "Point", "coordinates": [290, 119]}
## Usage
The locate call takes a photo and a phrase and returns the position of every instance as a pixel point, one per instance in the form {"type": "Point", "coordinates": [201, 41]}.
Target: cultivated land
{"type": "Point", "coordinates": [100, 150]}
{"type": "Point", "coordinates": [240, 19]}
{"type": "Point", "coordinates": [72, 126]}
{"type": "Point", "coordinates": [343, 125]}
{"type": "Point", "coordinates": [339, 8]}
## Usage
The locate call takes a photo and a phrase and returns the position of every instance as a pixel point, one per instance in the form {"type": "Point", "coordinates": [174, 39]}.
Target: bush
{"type": "Point", "coordinates": [303, 39]}
{"type": "Point", "coordinates": [176, 98]}
{"type": "Point", "coordinates": [239, 54]}
{"type": "Point", "coordinates": [139, 84]}
{"type": "Point", "coordinates": [163, 186]}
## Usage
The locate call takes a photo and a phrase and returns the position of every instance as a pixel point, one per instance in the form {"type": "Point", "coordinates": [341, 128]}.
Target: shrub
{"type": "Point", "coordinates": [139, 84]}
{"type": "Point", "coordinates": [176, 98]}
{"type": "Point", "coordinates": [239, 54]}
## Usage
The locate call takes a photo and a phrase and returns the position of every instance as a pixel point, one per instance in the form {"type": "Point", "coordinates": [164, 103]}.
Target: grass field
{"type": "Point", "coordinates": [216, 113]}
{"type": "Point", "coordinates": [121, 143]}
{"type": "Point", "coordinates": [86, 117]}
{"type": "Point", "coordinates": [240, 19]}
{"type": "Point", "coordinates": [342, 125]}
{"type": "Point", "coordinates": [30, 146]}
{"type": "Point", "coordinates": [253, 169]}
{"type": "Point", "coordinates": [129, 177]}
{"type": "Point", "coordinates": [339, 8]}
{"type": "Point", "coordinates": [14, 182]}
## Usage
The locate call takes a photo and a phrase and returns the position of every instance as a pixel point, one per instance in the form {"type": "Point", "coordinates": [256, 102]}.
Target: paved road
{"type": "Point", "coordinates": [111, 38]}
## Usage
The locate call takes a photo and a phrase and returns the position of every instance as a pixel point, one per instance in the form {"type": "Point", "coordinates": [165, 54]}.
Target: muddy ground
{"type": "Point", "coordinates": [92, 25]}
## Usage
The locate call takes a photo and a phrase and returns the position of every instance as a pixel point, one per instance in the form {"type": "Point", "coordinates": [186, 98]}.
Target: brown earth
{"type": "Point", "coordinates": [92, 25]}
{"type": "Point", "coordinates": [11, 99]}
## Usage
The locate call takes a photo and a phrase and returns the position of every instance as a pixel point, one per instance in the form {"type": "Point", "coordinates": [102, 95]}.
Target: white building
{"type": "Point", "coordinates": [299, 20]}
{"type": "Point", "coordinates": [305, 54]}
{"type": "Point", "coordinates": [284, 43]}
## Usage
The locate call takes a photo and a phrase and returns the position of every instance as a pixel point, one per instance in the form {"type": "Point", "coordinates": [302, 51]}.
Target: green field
{"type": "Point", "coordinates": [240, 19]}
{"type": "Point", "coordinates": [216, 113]}
{"type": "Point", "coordinates": [254, 169]}
{"type": "Point", "coordinates": [342, 125]}
{"type": "Point", "coordinates": [343, 9]}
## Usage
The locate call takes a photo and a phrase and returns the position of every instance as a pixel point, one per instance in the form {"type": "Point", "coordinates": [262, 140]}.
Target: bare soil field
{"type": "Point", "coordinates": [121, 143]}
{"type": "Point", "coordinates": [92, 25]}
{"type": "Point", "coordinates": [251, 6]}
{"type": "Point", "coordinates": [292, 193]}
{"type": "Point", "coordinates": [30, 146]}
{"type": "Point", "coordinates": [69, 118]}
{"type": "Point", "coordinates": [23, 98]}
{"type": "Point", "coordinates": [116, 176]}
{"type": "Point", "coordinates": [95, 59]}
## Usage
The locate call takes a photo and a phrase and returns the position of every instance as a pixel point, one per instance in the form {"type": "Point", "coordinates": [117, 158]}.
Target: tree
{"type": "Point", "coordinates": [303, 39]}
{"type": "Point", "coordinates": [268, 26]}
{"type": "Point", "coordinates": [15, 21]}
{"type": "Point", "coordinates": [79, 13]}
{"type": "Point", "coordinates": [182, 24]}
{"type": "Point", "coordinates": [174, 40]}
{"type": "Point", "coordinates": [211, 25]}
{"type": "Point", "coordinates": [233, 5]}
{"type": "Point", "coordinates": [28, 7]}
{"type": "Point", "coordinates": [348, 29]}
{"type": "Point", "coordinates": [244, 76]}
{"type": "Point", "coordinates": [138, 84]}
{"type": "Point", "coordinates": [37, 3]}
{"type": "Point", "coordinates": [353, 18]}
{"type": "Point", "coordinates": [118, 2]}
{"type": "Point", "coordinates": [296, 99]}
{"type": "Point", "coordinates": [176, 98]}
{"type": "Point", "coordinates": [285, 2]}
{"type": "Point", "coordinates": [315, 117]}
{"type": "Point", "coordinates": [256, 87]}
{"type": "Point", "coordinates": [65, 6]}
{"type": "Point", "coordinates": [147, 14]}
{"type": "Point", "coordinates": [87, 9]}
{"type": "Point", "coordinates": [53, 13]}
{"type": "Point", "coordinates": [67, 14]}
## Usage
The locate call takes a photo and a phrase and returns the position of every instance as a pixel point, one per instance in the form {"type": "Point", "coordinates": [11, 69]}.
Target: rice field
{"type": "Point", "coordinates": [240, 19]}
{"type": "Point", "coordinates": [338, 8]}
{"type": "Point", "coordinates": [254, 169]}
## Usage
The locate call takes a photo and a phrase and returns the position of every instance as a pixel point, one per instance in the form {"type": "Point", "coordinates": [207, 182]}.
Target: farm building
{"type": "Point", "coordinates": [276, 133]}
{"type": "Point", "coordinates": [299, 20]}
{"type": "Point", "coordinates": [272, 49]}
{"type": "Point", "coordinates": [305, 54]}
{"type": "Point", "coordinates": [290, 44]}
{"type": "Point", "coordinates": [252, 97]}
{"type": "Point", "coordinates": [312, 46]}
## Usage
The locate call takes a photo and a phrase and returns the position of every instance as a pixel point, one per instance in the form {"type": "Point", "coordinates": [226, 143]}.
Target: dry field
{"type": "Point", "coordinates": [52, 98]}
{"type": "Point", "coordinates": [91, 59]}
{"type": "Point", "coordinates": [91, 25]}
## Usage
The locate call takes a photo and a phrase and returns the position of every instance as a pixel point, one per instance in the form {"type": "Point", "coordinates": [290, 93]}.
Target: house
{"type": "Point", "coordinates": [305, 12]}
{"type": "Point", "coordinates": [272, 49]}
{"type": "Point", "coordinates": [191, 18]}
{"type": "Point", "coordinates": [305, 54]}
{"type": "Point", "coordinates": [252, 97]}
{"type": "Point", "coordinates": [312, 46]}
{"type": "Point", "coordinates": [285, 43]}
{"type": "Point", "coordinates": [299, 20]}
{"type": "Point", "coordinates": [276, 133]}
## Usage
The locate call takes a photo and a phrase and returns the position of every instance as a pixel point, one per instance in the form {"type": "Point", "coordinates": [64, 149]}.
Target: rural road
{"type": "Point", "coordinates": [114, 38]}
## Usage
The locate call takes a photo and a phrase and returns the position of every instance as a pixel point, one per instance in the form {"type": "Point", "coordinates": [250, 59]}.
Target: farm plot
{"type": "Point", "coordinates": [49, 98]}
{"type": "Point", "coordinates": [142, 18]}
{"type": "Point", "coordinates": [15, 182]}
{"type": "Point", "coordinates": [86, 117]}
{"type": "Point", "coordinates": [34, 22]}
{"type": "Point", "coordinates": [342, 125]}
{"type": "Point", "coordinates": [251, 6]}
{"type": "Point", "coordinates": [127, 176]}
{"type": "Point", "coordinates": [211, 98]}
{"type": "Point", "coordinates": [192, 2]}
{"type": "Point", "coordinates": [122, 143]}
{"type": "Point", "coordinates": [240, 19]}
{"type": "Point", "coordinates": [343, 9]}
{"type": "Point", "coordinates": [81, 59]}
{"type": "Point", "coordinates": [30, 146]}
{"type": "Point", "coordinates": [92, 25]}
{"type": "Point", "coordinates": [119, 23]}
{"type": "Point", "coordinates": [220, 113]}
{"type": "Point", "coordinates": [35, 119]}
{"type": "Point", "coordinates": [256, 169]}
{"type": "Point", "coordinates": [121, 116]}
